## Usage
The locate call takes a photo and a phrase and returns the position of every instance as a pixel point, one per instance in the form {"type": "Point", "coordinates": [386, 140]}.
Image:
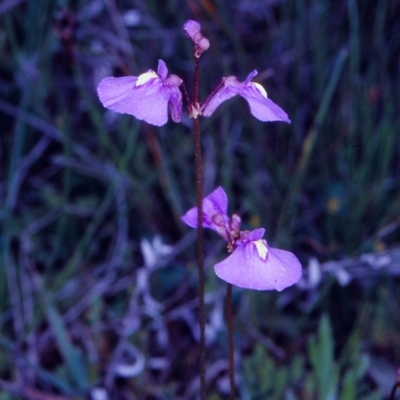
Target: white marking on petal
{"type": "Point", "coordinates": [258, 87]}
{"type": "Point", "coordinates": [144, 78]}
{"type": "Point", "coordinates": [262, 249]}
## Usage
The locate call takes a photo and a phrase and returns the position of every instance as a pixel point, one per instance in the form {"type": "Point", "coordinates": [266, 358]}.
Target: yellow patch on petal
{"type": "Point", "coordinates": [260, 89]}
{"type": "Point", "coordinates": [144, 78]}
{"type": "Point", "coordinates": [262, 249]}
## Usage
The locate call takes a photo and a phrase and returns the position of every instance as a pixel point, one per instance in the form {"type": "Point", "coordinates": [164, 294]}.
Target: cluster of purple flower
{"type": "Point", "coordinates": [252, 263]}
{"type": "Point", "coordinates": [148, 96]}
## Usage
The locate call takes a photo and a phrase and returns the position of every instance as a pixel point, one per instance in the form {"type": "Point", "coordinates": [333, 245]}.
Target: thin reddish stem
{"type": "Point", "coordinates": [229, 317]}
{"type": "Point", "coordinates": [200, 245]}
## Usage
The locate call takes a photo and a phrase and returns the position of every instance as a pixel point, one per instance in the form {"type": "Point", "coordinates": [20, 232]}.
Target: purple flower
{"type": "Point", "coordinates": [252, 264]}
{"type": "Point", "coordinates": [255, 265]}
{"type": "Point", "coordinates": [261, 106]}
{"type": "Point", "coordinates": [146, 96]}
{"type": "Point", "coordinates": [215, 209]}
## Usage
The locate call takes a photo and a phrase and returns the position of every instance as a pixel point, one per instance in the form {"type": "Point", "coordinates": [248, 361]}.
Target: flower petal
{"type": "Point", "coordinates": [256, 234]}
{"type": "Point", "coordinates": [162, 70]}
{"type": "Point", "coordinates": [175, 100]}
{"type": "Point", "coordinates": [222, 94]}
{"type": "Point", "coordinates": [247, 269]}
{"type": "Point", "coordinates": [261, 106]}
{"type": "Point", "coordinates": [113, 90]}
{"type": "Point", "coordinates": [148, 102]}
{"type": "Point", "coordinates": [215, 203]}
{"type": "Point", "coordinates": [146, 97]}
{"type": "Point", "coordinates": [220, 200]}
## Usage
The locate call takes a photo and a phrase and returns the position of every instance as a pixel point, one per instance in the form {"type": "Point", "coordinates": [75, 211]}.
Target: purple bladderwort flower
{"type": "Point", "coordinates": [252, 264]}
{"type": "Point", "coordinates": [255, 265]}
{"type": "Point", "coordinates": [261, 106]}
{"type": "Point", "coordinates": [147, 96]}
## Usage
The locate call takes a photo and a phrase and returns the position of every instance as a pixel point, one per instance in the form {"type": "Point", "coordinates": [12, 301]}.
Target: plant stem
{"type": "Point", "coordinates": [200, 253]}
{"type": "Point", "coordinates": [200, 246]}
{"type": "Point", "coordinates": [393, 393]}
{"type": "Point", "coordinates": [229, 317]}
{"type": "Point", "coordinates": [196, 80]}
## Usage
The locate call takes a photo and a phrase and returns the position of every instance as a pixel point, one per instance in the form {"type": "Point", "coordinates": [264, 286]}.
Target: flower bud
{"type": "Point", "coordinates": [193, 32]}
{"type": "Point", "coordinates": [236, 221]}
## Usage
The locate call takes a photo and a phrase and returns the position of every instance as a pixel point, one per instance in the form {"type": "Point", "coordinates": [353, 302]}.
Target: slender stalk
{"type": "Point", "coordinates": [229, 317]}
{"type": "Point", "coordinates": [393, 393]}
{"type": "Point", "coordinates": [200, 246]}
{"type": "Point", "coordinates": [196, 80]}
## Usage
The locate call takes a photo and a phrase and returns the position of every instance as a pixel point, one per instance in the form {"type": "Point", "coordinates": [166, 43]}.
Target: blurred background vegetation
{"type": "Point", "coordinates": [98, 276]}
